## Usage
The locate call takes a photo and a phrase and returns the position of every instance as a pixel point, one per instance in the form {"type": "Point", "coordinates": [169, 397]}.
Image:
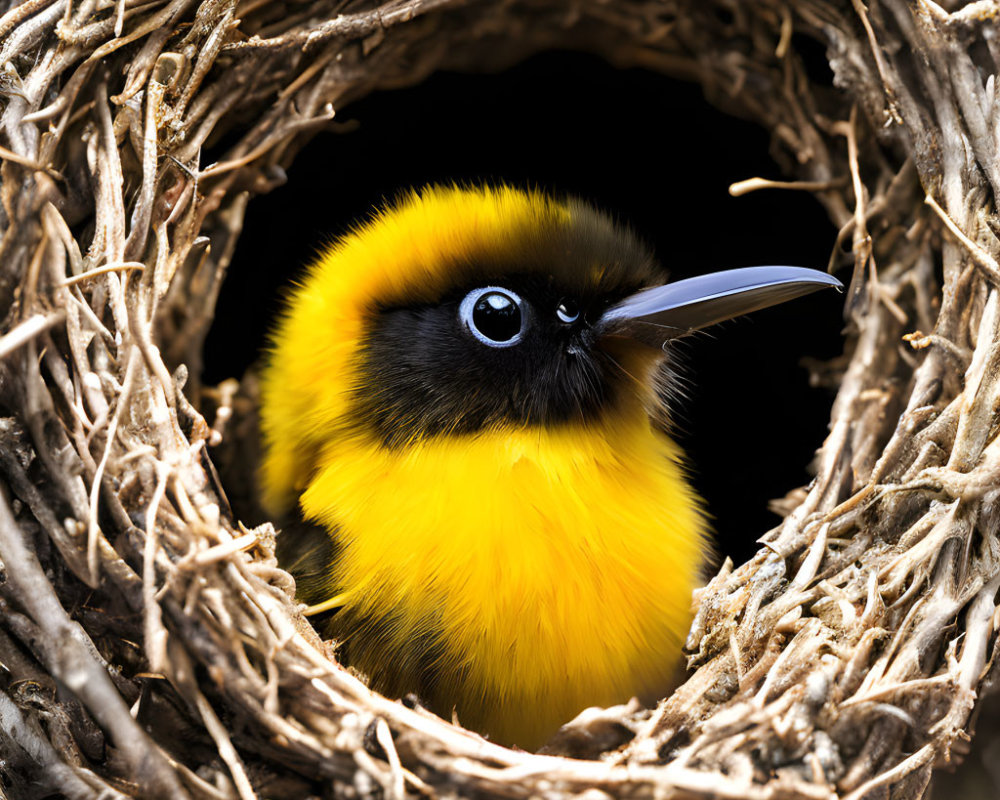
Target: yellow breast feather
{"type": "Point", "coordinates": [546, 570]}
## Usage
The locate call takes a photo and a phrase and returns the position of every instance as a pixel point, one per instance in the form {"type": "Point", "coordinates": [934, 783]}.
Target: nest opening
{"type": "Point", "coordinates": [535, 124]}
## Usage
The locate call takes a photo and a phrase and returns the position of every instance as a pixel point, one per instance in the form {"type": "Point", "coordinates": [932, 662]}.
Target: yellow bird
{"type": "Point", "coordinates": [464, 402]}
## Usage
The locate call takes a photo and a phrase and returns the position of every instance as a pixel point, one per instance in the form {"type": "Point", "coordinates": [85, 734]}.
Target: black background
{"type": "Point", "coordinates": [641, 146]}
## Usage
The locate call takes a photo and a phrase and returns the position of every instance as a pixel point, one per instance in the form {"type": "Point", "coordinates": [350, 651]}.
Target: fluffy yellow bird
{"type": "Point", "coordinates": [465, 402]}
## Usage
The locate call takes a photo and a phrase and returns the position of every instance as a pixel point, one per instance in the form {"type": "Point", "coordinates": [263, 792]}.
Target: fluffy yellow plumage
{"type": "Point", "coordinates": [556, 568]}
{"type": "Point", "coordinates": [510, 534]}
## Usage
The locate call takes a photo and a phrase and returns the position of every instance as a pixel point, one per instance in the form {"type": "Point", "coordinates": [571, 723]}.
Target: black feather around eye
{"type": "Point", "coordinates": [424, 375]}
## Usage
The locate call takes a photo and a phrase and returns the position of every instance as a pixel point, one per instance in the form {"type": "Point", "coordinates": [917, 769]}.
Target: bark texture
{"type": "Point", "coordinates": [150, 646]}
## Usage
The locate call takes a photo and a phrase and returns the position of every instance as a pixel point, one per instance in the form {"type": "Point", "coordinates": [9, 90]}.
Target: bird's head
{"type": "Point", "coordinates": [462, 310]}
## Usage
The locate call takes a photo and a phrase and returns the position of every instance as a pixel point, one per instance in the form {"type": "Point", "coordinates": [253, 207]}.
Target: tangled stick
{"type": "Point", "coordinates": [150, 644]}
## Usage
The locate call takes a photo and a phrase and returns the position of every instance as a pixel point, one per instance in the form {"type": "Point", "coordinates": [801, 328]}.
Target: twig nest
{"type": "Point", "coordinates": [151, 646]}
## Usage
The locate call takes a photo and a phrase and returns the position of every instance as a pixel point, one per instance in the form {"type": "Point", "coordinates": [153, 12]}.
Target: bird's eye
{"type": "Point", "coordinates": [568, 311]}
{"type": "Point", "coordinates": [494, 316]}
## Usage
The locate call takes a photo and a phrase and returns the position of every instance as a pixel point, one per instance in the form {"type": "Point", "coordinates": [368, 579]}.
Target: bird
{"type": "Point", "coordinates": [465, 414]}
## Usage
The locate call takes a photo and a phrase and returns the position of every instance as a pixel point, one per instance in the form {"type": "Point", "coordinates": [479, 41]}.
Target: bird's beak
{"type": "Point", "coordinates": [655, 316]}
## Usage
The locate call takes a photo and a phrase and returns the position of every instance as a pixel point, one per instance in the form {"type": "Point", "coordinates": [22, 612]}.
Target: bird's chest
{"type": "Point", "coordinates": [532, 567]}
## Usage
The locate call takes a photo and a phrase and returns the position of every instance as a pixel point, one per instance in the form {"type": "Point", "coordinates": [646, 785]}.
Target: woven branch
{"type": "Point", "coordinates": [151, 646]}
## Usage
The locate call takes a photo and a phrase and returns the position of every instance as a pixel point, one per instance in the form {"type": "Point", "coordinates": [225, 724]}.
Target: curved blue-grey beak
{"type": "Point", "coordinates": [655, 316]}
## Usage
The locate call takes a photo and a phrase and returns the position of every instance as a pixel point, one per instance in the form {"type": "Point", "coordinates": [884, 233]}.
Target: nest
{"type": "Point", "coordinates": [151, 647]}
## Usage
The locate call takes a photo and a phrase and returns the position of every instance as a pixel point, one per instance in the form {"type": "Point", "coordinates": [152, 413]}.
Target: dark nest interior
{"type": "Point", "coordinates": [151, 646]}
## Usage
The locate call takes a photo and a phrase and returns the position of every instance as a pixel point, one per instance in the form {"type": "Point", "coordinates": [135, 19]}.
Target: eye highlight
{"type": "Point", "coordinates": [495, 316]}
{"type": "Point", "coordinates": [568, 311]}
